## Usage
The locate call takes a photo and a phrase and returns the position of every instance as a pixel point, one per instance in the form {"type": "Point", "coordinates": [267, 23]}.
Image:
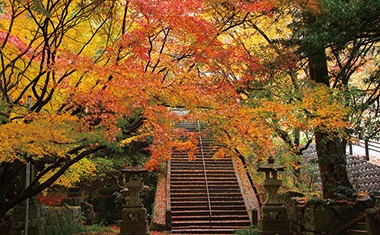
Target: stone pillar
{"type": "Point", "coordinates": [74, 198]}
{"type": "Point", "coordinates": [133, 216]}
{"type": "Point", "coordinates": [273, 215]}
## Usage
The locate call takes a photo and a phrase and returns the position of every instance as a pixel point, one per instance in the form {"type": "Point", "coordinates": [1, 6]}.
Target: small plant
{"type": "Point", "coordinates": [96, 228]}
{"type": "Point", "coordinates": [247, 231]}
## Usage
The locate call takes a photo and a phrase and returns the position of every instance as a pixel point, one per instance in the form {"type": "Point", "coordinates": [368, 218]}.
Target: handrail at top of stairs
{"type": "Point", "coordinates": [205, 173]}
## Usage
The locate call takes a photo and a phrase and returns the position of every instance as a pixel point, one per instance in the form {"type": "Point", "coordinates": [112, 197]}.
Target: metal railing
{"type": "Point", "coordinates": [205, 174]}
{"type": "Point", "coordinates": [168, 215]}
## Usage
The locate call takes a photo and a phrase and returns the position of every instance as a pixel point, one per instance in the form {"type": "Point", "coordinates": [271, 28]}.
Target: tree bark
{"type": "Point", "coordinates": [331, 153]}
{"type": "Point", "coordinates": [34, 187]}
{"type": "Point", "coordinates": [331, 149]}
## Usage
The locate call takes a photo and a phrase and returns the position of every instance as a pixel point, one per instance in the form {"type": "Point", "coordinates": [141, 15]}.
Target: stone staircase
{"type": "Point", "coordinates": [358, 228]}
{"type": "Point", "coordinates": [205, 196]}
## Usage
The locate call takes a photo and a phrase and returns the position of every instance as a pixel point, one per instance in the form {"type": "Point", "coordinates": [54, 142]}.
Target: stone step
{"type": "Point", "coordinates": [212, 217]}
{"type": "Point", "coordinates": [180, 196]}
{"type": "Point", "coordinates": [356, 232]}
{"type": "Point", "coordinates": [185, 199]}
{"type": "Point", "coordinates": [210, 171]}
{"type": "Point", "coordinates": [197, 177]}
{"type": "Point", "coordinates": [199, 190]}
{"type": "Point", "coordinates": [200, 167]}
{"type": "Point", "coordinates": [212, 195]}
{"type": "Point", "coordinates": [225, 207]}
{"type": "Point", "coordinates": [180, 191]}
{"type": "Point", "coordinates": [198, 158]}
{"type": "Point", "coordinates": [218, 189]}
{"type": "Point", "coordinates": [214, 175]}
{"type": "Point", "coordinates": [211, 187]}
{"type": "Point", "coordinates": [204, 198]}
{"type": "Point", "coordinates": [361, 225]}
{"type": "Point", "coordinates": [207, 222]}
{"type": "Point", "coordinates": [195, 163]}
{"type": "Point", "coordinates": [196, 174]}
{"type": "Point", "coordinates": [200, 171]}
{"type": "Point", "coordinates": [214, 203]}
{"type": "Point", "coordinates": [190, 203]}
{"type": "Point", "coordinates": [217, 203]}
{"type": "Point", "coordinates": [199, 180]}
{"type": "Point", "coordinates": [211, 183]}
{"type": "Point", "coordinates": [191, 207]}
{"type": "Point", "coordinates": [204, 230]}
{"type": "Point", "coordinates": [184, 181]}
{"type": "Point", "coordinates": [229, 212]}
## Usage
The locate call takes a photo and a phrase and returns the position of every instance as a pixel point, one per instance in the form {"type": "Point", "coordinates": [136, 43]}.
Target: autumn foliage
{"type": "Point", "coordinates": [104, 74]}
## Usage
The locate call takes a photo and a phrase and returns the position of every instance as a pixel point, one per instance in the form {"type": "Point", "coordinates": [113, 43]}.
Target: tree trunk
{"type": "Point", "coordinates": [331, 149]}
{"type": "Point", "coordinates": [331, 153]}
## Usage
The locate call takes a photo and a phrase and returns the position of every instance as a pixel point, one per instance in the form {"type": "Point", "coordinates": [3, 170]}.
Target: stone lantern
{"type": "Point", "coordinates": [133, 215]}
{"type": "Point", "coordinates": [273, 215]}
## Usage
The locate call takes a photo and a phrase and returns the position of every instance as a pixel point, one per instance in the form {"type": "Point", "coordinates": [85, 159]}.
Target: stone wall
{"type": "Point", "coordinates": [46, 220]}
{"type": "Point", "coordinates": [159, 209]}
{"type": "Point", "coordinates": [62, 220]}
{"type": "Point", "coordinates": [317, 216]}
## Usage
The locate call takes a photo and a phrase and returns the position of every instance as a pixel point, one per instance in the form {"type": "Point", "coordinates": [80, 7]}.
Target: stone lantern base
{"type": "Point", "coordinates": [133, 221]}
{"type": "Point", "coordinates": [274, 220]}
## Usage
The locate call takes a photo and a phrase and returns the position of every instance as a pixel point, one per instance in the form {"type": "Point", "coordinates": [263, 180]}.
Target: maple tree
{"type": "Point", "coordinates": [103, 74]}
{"type": "Point", "coordinates": [308, 88]}
{"type": "Point", "coordinates": [333, 45]}
{"type": "Point", "coordinates": [285, 102]}
{"type": "Point", "coordinates": [33, 36]}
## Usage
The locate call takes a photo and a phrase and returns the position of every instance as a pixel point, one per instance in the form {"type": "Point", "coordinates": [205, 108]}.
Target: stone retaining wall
{"type": "Point", "coordinates": [309, 217]}
{"type": "Point", "coordinates": [47, 220]}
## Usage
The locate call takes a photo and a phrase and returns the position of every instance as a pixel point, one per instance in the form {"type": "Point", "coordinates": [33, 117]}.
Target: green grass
{"type": "Point", "coordinates": [93, 229]}
{"type": "Point", "coordinates": [96, 228]}
{"type": "Point", "coordinates": [247, 231]}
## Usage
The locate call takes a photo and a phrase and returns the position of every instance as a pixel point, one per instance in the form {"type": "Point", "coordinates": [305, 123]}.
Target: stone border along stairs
{"type": "Point", "coordinates": [205, 196]}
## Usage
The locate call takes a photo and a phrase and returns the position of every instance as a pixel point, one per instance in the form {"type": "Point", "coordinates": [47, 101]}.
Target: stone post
{"type": "Point", "coordinates": [273, 215]}
{"type": "Point", "coordinates": [133, 216]}
{"type": "Point", "coordinates": [74, 198]}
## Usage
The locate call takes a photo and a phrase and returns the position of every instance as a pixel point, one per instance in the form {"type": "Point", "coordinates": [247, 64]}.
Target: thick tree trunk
{"type": "Point", "coordinates": [331, 149]}
{"type": "Point", "coordinates": [331, 153]}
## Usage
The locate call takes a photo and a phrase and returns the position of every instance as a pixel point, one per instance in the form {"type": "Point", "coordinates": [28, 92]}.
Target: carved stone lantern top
{"type": "Point", "coordinates": [132, 176]}
{"type": "Point", "coordinates": [134, 168]}
{"type": "Point", "coordinates": [271, 168]}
